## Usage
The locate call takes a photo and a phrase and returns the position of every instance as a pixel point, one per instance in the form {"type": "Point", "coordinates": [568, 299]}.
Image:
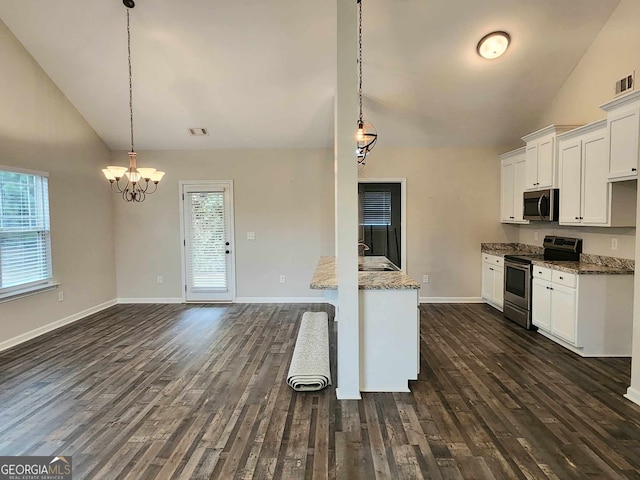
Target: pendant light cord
{"type": "Point", "coordinates": [130, 81]}
{"type": "Point", "coordinates": [360, 59]}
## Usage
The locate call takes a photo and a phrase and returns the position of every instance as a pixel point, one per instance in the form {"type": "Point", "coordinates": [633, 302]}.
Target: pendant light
{"type": "Point", "coordinates": [366, 135]}
{"type": "Point", "coordinates": [135, 181]}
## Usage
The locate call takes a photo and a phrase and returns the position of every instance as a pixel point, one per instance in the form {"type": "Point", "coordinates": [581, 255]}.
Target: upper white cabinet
{"type": "Point", "coordinates": [513, 181]}
{"type": "Point", "coordinates": [623, 135]}
{"type": "Point", "coordinates": [541, 157]}
{"type": "Point", "coordinates": [586, 196]}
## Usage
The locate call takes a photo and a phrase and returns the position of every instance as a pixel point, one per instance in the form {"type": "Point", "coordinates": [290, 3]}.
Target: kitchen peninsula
{"type": "Point", "coordinates": [389, 321]}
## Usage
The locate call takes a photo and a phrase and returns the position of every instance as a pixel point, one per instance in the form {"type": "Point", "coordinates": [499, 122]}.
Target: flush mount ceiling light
{"type": "Point", "coordinates": [493, 45]}
{"type": "Point", "coordinates": [366, 135]}
{"type": "Point", "coordinates": [138, 180]}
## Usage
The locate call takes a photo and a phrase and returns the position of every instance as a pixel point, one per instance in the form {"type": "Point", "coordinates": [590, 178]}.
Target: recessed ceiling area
{"type": "Point", "coordinates": [261, 74]}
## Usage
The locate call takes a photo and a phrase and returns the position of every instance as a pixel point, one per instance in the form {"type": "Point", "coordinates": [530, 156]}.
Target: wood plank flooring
{"type": "Point", "coordinates": [199, 392]}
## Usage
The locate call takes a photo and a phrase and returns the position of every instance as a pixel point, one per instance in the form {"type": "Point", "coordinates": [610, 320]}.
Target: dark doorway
{"type": "Point", "coordinates": [380, 217]}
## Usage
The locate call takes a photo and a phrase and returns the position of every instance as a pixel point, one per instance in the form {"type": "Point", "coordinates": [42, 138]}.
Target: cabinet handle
{"type": "Point", "coordinates": [577, 218]}
{"type": "Point", "coordinates": [634, 169]}
{"type": "Point", "coordinates": [491, 269]}
{"type": "Point", "coordinates": [581, 218]}
{"type": "Point", "coordinates": [561, 278]}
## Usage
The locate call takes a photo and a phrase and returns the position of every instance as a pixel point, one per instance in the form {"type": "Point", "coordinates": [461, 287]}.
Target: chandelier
{"type": "Point", "coordinates": [136, 183]}
{"type": "Point", "coordinates": [367, 135]}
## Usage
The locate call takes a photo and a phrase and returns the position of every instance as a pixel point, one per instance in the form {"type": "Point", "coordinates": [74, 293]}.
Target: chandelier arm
{"type": "Point", "coordinates": [155, 184]}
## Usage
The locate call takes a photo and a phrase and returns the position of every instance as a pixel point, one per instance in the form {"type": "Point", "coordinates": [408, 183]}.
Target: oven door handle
{"type": "Point", "coordinates": [517, 266]}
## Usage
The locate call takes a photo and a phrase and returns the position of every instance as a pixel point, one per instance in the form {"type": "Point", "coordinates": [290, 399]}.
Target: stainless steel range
{"type": "Point", "coordinates": [518, 275]}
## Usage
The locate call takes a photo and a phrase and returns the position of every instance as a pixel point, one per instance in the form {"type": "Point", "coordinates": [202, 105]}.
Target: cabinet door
{"type": "Point", "coordinates": [519, 186]}
{"type": "Point", "coordinates": [570, 153]}
{"type": "Point", "coordinates": [545, 162]}
{"type": "Point", "coordinates": [508, 171]}
{"type": "Point", "coordinates": [487, 281]}
{"type": "Point", "coordinates": [624, 129]}
{"type": "Point", "coordinates": [563, 312]}
{"type": "Point", "coordinates": [498, 285]}
{"type": "Point", "coordinates": [532, 167]}
{"type": "Point", "coordinates": [541, 304]}
{"type": "Point", "coordinates": [595, 187]}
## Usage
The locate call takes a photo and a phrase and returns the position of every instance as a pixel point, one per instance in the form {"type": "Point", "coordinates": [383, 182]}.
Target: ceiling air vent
{"type": "Point", "coordinates": [198, 132]}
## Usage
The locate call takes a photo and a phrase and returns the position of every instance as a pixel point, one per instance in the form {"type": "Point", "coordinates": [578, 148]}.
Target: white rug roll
{"type": "Point", "coordinates": [310, 370]}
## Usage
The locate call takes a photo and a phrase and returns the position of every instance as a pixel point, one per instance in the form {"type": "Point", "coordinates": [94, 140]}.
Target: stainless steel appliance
{"type": "Point", "coordinates": [518, 275]}
{"type": "Point", "coordinates": [541, 205]}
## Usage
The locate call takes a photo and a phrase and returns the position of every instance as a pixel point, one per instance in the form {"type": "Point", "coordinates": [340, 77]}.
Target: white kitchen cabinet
{"type": "Point", "coordinates": [586, 196]}
{"type": "Point", "coordinates": [563, 312]}
{"type": "Point", "coordinates": [541, 304]}
{"type": "Point", "coordinates": [513, 181]}
{"type": "Point", "coordinates": [591, 315]}
{"type": "Point", "coordinates": [493, 280]}
{"type": "Point", "coordinates": [541, 157]}
{"type": "Point", "coordinates": [623, 136]}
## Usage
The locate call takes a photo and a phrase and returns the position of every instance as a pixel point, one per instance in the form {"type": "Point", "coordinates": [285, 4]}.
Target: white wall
{"type": "Point", "coordinates": [41, 130]}
{"type": "Point", "coordinates": [453, 205]}
{"type": "Point", "coordinates": [284, 196]}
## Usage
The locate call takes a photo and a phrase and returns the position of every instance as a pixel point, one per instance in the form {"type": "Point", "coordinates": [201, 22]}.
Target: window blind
{"type": "Point", "coordinates": [376, 208]}
{"type": "Point", "coordinates": [25, 245]}
{"type": "Point", "coordinates": [207, 242]}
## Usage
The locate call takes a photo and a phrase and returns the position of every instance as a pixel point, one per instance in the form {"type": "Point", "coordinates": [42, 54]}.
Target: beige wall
{"type": "Point", "coordinates": [453, 205]}
{"type": "Point", "coordinates": [612, 55]}
{"type": "Point", "coordinates": [284, 196]}
{"type": "Point", "coordinates": [41, 130]}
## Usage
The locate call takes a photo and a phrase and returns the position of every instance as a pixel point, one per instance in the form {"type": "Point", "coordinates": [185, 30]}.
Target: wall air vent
{"type": "Point", "coordinates": [626, 84]}
{"type": "Point", "coordinates": [198, 132]}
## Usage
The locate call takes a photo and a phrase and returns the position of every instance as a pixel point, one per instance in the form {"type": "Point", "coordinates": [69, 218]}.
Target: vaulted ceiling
{"type": "Point", "coordinates": [261, 74]}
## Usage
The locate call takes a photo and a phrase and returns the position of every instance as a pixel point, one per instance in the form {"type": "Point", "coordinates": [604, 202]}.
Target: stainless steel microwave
{"type": "Point", "coordinates": [541, 205]}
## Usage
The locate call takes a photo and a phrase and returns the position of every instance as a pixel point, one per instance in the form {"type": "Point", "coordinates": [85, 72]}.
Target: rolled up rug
{"type": "Point", "coordinates": [310, 369]}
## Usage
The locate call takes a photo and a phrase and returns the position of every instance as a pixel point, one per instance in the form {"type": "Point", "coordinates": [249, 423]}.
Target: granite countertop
{"type": "Point", "coordinates": [588, 264]}
{"type": "Point", "coordinates": [326, 277]}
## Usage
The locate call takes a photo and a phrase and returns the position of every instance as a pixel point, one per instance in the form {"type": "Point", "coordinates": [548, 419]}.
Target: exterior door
{"type": "Point", "coordinates": [208, 242]}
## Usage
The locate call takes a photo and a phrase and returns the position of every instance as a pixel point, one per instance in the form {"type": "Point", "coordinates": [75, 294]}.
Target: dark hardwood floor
{"type": "Point", "coordinates": [184, 391]}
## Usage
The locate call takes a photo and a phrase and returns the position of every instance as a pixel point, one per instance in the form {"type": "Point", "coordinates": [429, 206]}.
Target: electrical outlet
{"type": "Point", "coordinates": [535, 235]}
{"type": "Point", "coordinates": [614, 244]}
{"type": "Point", "coordinates": [251, 235]}
{"type": "Point", "coordinates": [159, 279]}
{"type": "Point", "coordinates": [282, 279]}
{"type": "Point", "coordinates": [61, 296]}
{"type": "Point", "coordinates": [425, 278]}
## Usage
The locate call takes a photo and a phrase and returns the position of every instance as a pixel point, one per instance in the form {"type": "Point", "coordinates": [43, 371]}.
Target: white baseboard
{"type": "Point", "coordinates": [150, 300]}
{"type": "Point", "coordinates": [12, 342]}
{"type": "Point", "coordinates": [451, 300]}
{"type": "Point", "coordinates": [280, 300]}
{"type": "Point", "coordinates": [633, 395]}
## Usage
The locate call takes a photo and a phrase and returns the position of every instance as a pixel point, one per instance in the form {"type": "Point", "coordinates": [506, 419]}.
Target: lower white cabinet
{"type": "Point", "coordinates": [493, 280]}
{"type": "Point", "coordinates": [591, 315]}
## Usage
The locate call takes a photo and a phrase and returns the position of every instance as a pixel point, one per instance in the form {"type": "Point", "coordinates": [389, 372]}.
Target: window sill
{"type": "Point", "coordinates": [26, 292]}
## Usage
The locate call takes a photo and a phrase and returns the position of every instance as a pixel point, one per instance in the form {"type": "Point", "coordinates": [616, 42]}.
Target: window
{"type": "Point", "coordinates": [25, 245]}
{"type": "Point", "coordinates": [376, 208]}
